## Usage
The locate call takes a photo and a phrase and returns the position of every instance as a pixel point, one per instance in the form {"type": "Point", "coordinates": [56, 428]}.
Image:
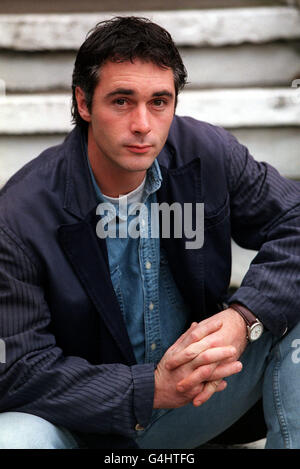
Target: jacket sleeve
{"type": "Point", "coordinates": [37, 378]}
{"type": "Point", "coordinates": [265, 216]}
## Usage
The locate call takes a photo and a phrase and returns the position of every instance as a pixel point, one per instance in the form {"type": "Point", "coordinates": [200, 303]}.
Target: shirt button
{"type": "Point", "coordinates": [151, 306]}
{"type": "Point", "coordinates": [153, 346]}
{"type": "Point", "coordinates": [138, 427]}
{"type": "Point", "coordinates": [148, 265]}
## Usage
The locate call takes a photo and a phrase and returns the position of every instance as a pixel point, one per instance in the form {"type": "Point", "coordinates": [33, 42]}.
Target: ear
{"type": "Point", "coordinates": [81, 104]}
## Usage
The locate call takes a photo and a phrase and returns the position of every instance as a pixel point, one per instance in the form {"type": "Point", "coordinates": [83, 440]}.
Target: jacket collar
{"type": "Point", "coordinates": [80, 197]}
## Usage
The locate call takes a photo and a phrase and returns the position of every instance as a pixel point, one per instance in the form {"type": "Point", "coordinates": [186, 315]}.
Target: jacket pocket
{"type": "Point", "coordinates": [214, 217]}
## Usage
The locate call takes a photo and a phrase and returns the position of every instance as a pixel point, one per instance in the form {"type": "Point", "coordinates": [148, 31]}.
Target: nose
{"type": "Point", "coordinates": [140, 121]}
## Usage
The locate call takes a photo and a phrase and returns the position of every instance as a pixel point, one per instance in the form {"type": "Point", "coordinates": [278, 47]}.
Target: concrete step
{"type": "Point", "coordinates": [236, 108]}
{"type": "Point", "coordinates": [243, 107]}
{"type": "Point", "coordinates": [248, 65]}
{"type": "Point", "coordinates": [259, 65]}
{"type": "Point", "coordinates": [55, 6]}
{"type": "Point", "coordinates": [216, 27]}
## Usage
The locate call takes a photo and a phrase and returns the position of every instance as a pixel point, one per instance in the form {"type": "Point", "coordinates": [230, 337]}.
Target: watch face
{"type": "Point", "coordinates": [256, 331]}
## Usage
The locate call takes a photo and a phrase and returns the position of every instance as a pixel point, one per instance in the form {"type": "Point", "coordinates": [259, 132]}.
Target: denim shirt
{"type": "Point", "coordinates": [152, 306]}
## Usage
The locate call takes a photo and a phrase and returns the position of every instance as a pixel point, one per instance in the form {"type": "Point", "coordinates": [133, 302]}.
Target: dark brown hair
{"type": "Point", "coordinates": [121, 39]}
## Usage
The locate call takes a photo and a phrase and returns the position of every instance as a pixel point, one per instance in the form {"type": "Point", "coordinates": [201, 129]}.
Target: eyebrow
{"type": "Point", "coordinates": [129, 92]}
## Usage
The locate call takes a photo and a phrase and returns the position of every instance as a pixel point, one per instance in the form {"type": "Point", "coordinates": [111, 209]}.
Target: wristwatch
{"type": "Point", "coordinates": [254, 327]}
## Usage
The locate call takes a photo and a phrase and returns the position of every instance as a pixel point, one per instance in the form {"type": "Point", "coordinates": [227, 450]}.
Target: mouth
{"type": "Point", "coordinates": [139, 148]}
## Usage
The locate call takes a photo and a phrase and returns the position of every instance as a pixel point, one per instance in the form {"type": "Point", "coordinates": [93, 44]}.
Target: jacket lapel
{"type": "Point", "coordinates": [88, 256]}
{"type": "Point", "coordinates": [184, 185]}
{"type": "Point", "coordinates": [86, 252]}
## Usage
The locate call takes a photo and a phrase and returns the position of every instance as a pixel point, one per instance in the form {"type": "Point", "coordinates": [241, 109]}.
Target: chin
{"type": "Point", "coordinates": [138, 164]}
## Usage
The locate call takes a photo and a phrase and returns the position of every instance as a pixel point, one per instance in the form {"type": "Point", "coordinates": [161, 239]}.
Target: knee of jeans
{"type": "Point", "coordinates": [290, 343]}
{"type": "Point", "coordinates": [19, 430]}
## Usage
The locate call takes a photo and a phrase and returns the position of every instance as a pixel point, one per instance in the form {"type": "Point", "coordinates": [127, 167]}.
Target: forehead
{"type": "Point", "coordinates": [138, 75]}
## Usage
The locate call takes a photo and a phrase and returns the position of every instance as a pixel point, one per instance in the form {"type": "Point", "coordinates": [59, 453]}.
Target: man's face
{"type": "Point", "coordinates": [132, 110]}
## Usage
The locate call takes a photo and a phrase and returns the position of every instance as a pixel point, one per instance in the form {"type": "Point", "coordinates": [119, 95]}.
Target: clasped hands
{"type": "Point", "coordinates": [193, 368]}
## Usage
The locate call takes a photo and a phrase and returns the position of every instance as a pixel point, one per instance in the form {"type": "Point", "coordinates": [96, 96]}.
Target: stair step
{"type": "Point", "coordinates": [274, 64]}
{"type": "Point", "coordinates": [50, 113]}
{"type": "Point", "coordinates": [216, 27]}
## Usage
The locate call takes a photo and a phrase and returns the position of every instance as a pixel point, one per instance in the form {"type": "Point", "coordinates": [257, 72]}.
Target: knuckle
{"type": "Point", "coordinates": [170, 363]}
{"type": "Point", "coordinates": [189, 353]}
{"type": "Point", "coordinates": [232, 352]}
{"type": "Point", "coordinates": [194, 335]}
{"type": "Point", "coordinates": [205, 372]}
{"type": "Point", "coordinates": [204, 356]}
{"type": "Point", "coordinates": [211, 390]}
{"type": "Point", "coordinates": [193, 325]}
{"type": "Point", "coordinates": [207, 328]}
{"type": "Point", "coordinates": [214, 342]}
{"type": "Point", "coordinates": [215, 383]}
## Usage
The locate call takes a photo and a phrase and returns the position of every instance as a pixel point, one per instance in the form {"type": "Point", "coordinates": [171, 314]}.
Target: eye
{"type": "Point", "coordinates": [120, 101]}
{"type": "Point", "coordinates": [159, 102]}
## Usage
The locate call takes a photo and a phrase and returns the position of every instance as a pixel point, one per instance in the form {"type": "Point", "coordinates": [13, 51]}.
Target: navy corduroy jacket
{"type": "Point", "coordinates": [68, 356]}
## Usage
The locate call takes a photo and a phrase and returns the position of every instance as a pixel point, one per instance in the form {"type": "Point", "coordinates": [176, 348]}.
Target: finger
{"type": "Point", "coordinates": [189, 353]}
{"type": "Point", "coordinates": [214, 355]}
{"type": "Point", "coordinates": [211, 355]}
{"type": "Point", "coordinates": [209, 389]}
{"type": "Point", "coordinates": [194, 392]}
{"type": "Point", "coordinates": [189, 347]}
{"type": "Point", "coordinates": [230, 359]}
{"type": "Point", "coordinates": [221, 386]}
{"type": "Point", "coordinates": [224, 370]}
{"type": "Point", "coordinates": [183, 336]}
{"type": "Point", "coordinates": [219, 372]}
{"type": "Point", "coordinates": [204, 374]}
{"type": "Point", "coordinates": [196, 332]}
{"type": "Point", "coordinates": [202, 330]}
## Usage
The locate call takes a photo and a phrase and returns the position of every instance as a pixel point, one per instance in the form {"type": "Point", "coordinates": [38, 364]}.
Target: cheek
{"type": "Point", "coordinates": [163, 127]}
{"type": "Point", "coordinates": [112, 128]}
{"type": "Point", "coordinates": [106, 129]}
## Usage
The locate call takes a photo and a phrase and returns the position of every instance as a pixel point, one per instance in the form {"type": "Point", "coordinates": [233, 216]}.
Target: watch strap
{"type": "Point", "coordinates": [245, 313]}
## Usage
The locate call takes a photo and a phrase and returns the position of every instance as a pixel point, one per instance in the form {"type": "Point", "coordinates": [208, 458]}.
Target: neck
{"type": "Point", "coordinates": [116, 188]}
{"type": "Point", "coordinates": [115, 184]}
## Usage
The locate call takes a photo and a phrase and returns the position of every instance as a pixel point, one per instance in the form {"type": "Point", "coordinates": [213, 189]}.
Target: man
{"type": "Point", "coordinates": [123, 341]}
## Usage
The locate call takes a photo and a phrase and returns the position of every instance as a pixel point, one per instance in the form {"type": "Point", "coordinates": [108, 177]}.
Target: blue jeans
{"type": "Point", "coordinates": [270, 370]}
